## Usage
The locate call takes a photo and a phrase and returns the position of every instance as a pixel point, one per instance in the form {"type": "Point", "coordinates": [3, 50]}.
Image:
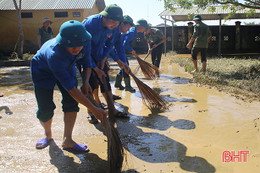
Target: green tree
{"type": "Point", "coordinates": [234, 5]}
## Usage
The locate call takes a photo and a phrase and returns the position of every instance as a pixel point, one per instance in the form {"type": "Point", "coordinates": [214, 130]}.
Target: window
{"type": "Point", "coordinates": [180, 38]}
{"type": "Point", "coordinates": [26, 15]}
{"type": "Point", "coordinates": [226, 38]}
{"type": "Point", "coordinates": [76, 14]}
{"type": "Point", "coordinates": [213, 38]}
{"type": "Point", "coordinates": [60, 14]}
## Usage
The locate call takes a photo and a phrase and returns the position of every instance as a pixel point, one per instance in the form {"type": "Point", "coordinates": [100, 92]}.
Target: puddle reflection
{"type": "Point", "coordinates": [177, 80]}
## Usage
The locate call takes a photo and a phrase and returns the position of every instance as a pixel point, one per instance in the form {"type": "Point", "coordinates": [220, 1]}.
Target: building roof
{"type": "Point", "coordinates": [162, 25]}
{"type": "Point", "coordinates": [182, 14]}
{"type": "Point", "coordinates": [52, 4]}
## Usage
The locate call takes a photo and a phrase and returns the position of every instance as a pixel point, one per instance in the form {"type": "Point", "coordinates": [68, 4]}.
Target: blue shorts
{"type": "Point", "coordinates": [46, 105]}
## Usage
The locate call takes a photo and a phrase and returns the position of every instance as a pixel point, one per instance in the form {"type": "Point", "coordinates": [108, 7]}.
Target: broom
{"type": "Point", "coordinates": [150, 98]}
{"type": "Point", "coordinates": [138, 67]}
{"type": "Point", "coordinates": [115, 148]}
{"type": "Point", "coordinates": [149, 70]}
{"type": "Point", "coordinates": [115, 152]}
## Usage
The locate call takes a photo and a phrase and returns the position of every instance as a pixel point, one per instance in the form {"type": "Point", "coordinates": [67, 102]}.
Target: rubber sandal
{"type": "Point", "coordinates": [121, 115]}
{"type": "Point", "coordinates": [42, 143]}
{"type": "Point", "coordinates": [115, 97]}
{"type": "Point", "coordinates": [78, 148]}
{"type": "Point", "coordinates": [103, 106]}
{"type": "Point", "coordinates": [92, 119]}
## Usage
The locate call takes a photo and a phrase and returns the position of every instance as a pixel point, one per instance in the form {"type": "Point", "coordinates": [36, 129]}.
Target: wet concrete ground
{"type": "Point", "coordinates": [191, 136]}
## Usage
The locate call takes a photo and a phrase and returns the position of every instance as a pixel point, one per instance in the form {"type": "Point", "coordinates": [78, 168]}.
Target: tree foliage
{"type": "Point", "coordinates": [234, 5]}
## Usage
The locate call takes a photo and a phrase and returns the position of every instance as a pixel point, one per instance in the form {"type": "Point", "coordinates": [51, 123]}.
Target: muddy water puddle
{"type": "Point", "coordinates": [191, 136]}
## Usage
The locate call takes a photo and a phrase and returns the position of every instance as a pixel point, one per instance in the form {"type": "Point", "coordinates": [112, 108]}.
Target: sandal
{"type": "Point", "coordinates": [103, 106]}
{"type": "Point", "coordinates": [42, 143]}
{"type": "Point", "coordinates": [78, 148]}
{"type": "Point", "coordinates": [92, 119]}
{"type": "Point", "coordinates": [121, 115]}
{"type": "Point", "coordinates": [115, 97]}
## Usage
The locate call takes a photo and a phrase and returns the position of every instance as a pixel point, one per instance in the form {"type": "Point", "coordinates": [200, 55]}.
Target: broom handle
{"type": "Point", "coordinates": [92, 100]}
{"type": "Point", "coordinates": [132, 75]}
{"type": "Point", "coordinates": [109, 100]}
{"type": "Point", "coordinates": [146, 56]}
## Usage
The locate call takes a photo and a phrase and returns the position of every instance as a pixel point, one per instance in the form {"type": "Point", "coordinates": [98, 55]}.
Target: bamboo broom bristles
{"type": "Point", "coordinates": [115, 151]}
{"type": "Point", "coordinates": [149, 97]}
{"type": "Point", "coordinates": [149, 70]}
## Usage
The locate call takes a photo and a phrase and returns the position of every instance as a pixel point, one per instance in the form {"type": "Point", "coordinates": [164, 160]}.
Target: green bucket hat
{"type": "Point", "coordinates": [197, 17]}
{"type": "Point", "coordinates": [128, 19]}
{"type": "Point", "coordinates": [73, 34]}
{"type": "Point", "coordinates": [142, 22]}
{"type": "Point", "coordinates": [113, 12]}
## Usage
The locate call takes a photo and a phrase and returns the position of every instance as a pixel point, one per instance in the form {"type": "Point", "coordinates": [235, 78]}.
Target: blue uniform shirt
{"type": "Point", "coordinates": [100, 34]}
{"type": "Point", "coordinates": [53, 63]}
{"type": "Point", "coordinates": [115, 46]}
{"type": "Point", "coordinates": [128, 37]}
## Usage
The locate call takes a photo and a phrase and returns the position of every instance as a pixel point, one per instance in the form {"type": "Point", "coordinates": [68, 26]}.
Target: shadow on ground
{"type": "Point", "coordinates": [158, 148]}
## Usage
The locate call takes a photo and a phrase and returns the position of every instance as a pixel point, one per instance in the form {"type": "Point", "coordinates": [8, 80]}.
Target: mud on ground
{"type": "Point", "coordinates": [191, 136]}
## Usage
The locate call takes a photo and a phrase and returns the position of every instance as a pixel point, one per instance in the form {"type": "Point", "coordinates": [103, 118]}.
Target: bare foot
{"type": "Point", "coordinates": [68, 143]}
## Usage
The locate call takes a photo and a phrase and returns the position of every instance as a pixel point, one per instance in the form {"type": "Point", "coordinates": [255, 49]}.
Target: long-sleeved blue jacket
{"type": "Point", "coordinates": [100, 34]}
{"type": "Point", "coordinates": [53, 63]}
{"type": "Point", "coordinates": [115, 46]}
{"type": "Point", "coordinates": [128, 37]}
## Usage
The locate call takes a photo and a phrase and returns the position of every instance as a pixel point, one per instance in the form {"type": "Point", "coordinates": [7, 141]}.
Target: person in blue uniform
{"type": "Point", "coordinates": [115, 44]}
{"type": "Point", "coordinates": [139, 27]}
{"type": "Point", "coordinates": [54, 64]}
{"type": "Point", "coordinates": [100, 26]}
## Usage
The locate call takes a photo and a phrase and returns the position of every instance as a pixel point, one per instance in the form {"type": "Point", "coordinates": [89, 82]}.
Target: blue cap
{"type": "Point", "coordinates": [73, 34]}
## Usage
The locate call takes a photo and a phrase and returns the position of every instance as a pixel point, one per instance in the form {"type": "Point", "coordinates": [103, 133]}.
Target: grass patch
{"type": "Point", "coordinates": [14, 57]}
{"type": "Point", "coordinates": [27, 56]}
{"type": "Point", "coordinates": [235, 75]}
